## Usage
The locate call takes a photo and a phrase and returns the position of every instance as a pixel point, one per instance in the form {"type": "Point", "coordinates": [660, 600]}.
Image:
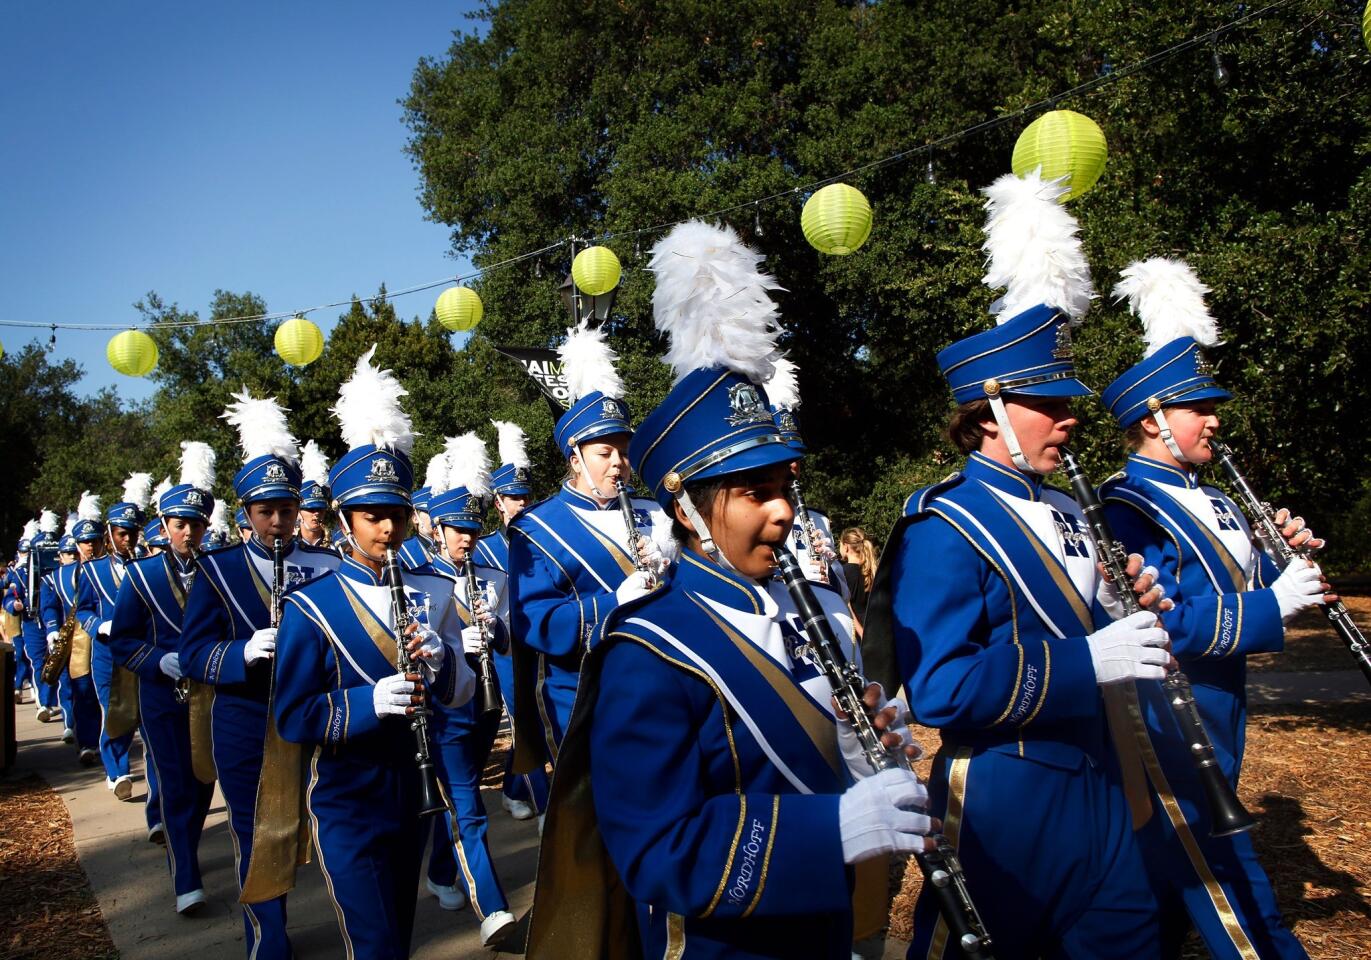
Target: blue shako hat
{"type": "Point", "coordinates": [597, 408]}
{"type": "Point", "coordinates": [783, 390]}
{"type": "Point", "coordinates": [711, 299]}
{"type": "Point", "coordinates": [314, 489]}
{"type": "Point", "coordinates": [191, 498]}
{"type": "Point", "coordinates": [67, 544]}
{"type": "Point", "coordinates": [419, 499]}
{"type": "Point", "coordinates": [240, 518]}
{"type": "Point", "coordinates": [376, 470]}
{"type": "Point", "coordinates": [270, 470]}
{"type": "Point", "coordinates": [128, 512]}
{"type": "Point", "coordinates": [463, 504]}
{"type": "Point", "coordinates": [513, 477]}
{"type": "Point", "coordinates": [46, 539]}
{"type": "Point", "coordinates": [154, 534]}
{"type": "Point", "coordinates": [1168, 298]}
{"type": "Point", "coordinates": [88, 526]}
{"type": "Point", "coordinates": [1029, 354]}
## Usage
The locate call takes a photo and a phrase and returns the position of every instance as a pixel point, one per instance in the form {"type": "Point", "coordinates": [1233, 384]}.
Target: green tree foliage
{"type": "Point", "coordinates": [602, 117]}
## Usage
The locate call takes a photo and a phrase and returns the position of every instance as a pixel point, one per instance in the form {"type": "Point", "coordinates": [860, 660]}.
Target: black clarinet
{"type": "Point", "coordinates": [278, 579]}
{"type": "Point", "coordinates": [487, 686]}
{"type": "Point", "coordinates": [810, 528]}
{"type": "Point", "coordinates": [941, 868]}
{"type": "Point", "coordinates": [635, 536]}
{"type": "Point", "coordinates": [431, 798]}
{"type": "Point", "coordinates": [1227, 815]}
{"type": "Point", "coordinates": [1264, 524]}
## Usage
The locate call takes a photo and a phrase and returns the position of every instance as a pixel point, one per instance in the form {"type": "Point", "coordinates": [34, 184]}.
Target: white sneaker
{"type": "Point", "coordinates": [123, 787]}
{"type": "Point", "coordinates": [109, 784]}
{"type": "Point", "coordinates": [517, 809]}
{"type": "Point", "coordinates": [68, 735]}
{"type": "Point", "coordinates": [42, 714]}
{"type": "Point", "coordinates": [189, 903]}
{"type": "Point", "coordinates": [89, 757]}
{"type": "Point", "coordinates": [157, 834]}
{"type": "Point", "coordinates": [449, 898]}
{"type": "Point", "coordinates": [496, 927]}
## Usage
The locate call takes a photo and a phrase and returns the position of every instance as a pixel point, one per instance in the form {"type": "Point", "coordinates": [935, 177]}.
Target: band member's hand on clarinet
{"type": "Point", "coordinates": [650, 556]}
{"type": "Point", "coordinates": [1151, 596]}
{"type": "Point", "coordinates": [877, 815]}
{"type": "Point", "coordinates": [1300, 537]}
{"type": "Point", "coordinates": [426, 647]}
{"type": "Point", "coordinates": [635, 585]}
{"type": "Point", "coordinates": [1299, 587]}
{"type": "Point", "coordinates": [890, 717]}
{"type": "Point", "coordinates": [398, 695]}
{"type": "Point", "coordinates": [260, 646]}
{"type": "Point", "coordinates": [170, 664]}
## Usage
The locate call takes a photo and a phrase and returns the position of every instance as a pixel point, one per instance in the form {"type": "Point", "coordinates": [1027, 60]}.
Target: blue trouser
{"type": "Point", "coordinates": [84, 717]}
{"type": "Point", "coordinates": [114, 752]}
{"type": "Point", "coordinates": [240, 730]}
{"type": "Point", "coordinates": [23, 670]}
{"type": "Point", "coordinates": [459, 840]}
{"type": "Point", "coordinates": [1238, 916]}
{"type": "Point", "coordinates": [64, 700]}
{"type": "Point", "coordinates": [36, 649]}
{"type": "Point", "coordinates": [1050, 858]}
{"type": "Point", "coordinates": [370, 841]}
{"type": "Point", "coordinates": [184, 800]}
{"type": "Point", "coordinates": [532, 787]}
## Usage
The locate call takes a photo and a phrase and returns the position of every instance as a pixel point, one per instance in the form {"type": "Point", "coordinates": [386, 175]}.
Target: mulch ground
{"type": "Point", "coordinates": [1307, 779]}
{"type": "Point", "coordinates": [48, 909]}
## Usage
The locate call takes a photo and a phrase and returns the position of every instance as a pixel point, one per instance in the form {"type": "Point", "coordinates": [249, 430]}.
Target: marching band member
{"type": "Point", "coordinates": [60, 594]}
{"type": "Point", "coordinates": [337, 691]}
{"type": "Point", "coordinates": [145, 636]}
{"type": "Point", "coordinates": [1231, 601]}
{"type": "Point", "coordinates": [569, 556]}
{"type": "Point", "coordinates": [49, 606]}
{"type": "Point", "coordinates": [240, 520]}
{"type": "Point", "coordinates": [314, 496]}
{"type": "Point", "coordinates": [1003, 627]}
{"type": "Point", "coordinates": [464, 735]}
{"type": "Point", "coordinates": [155, 539]}
{"type": "Point", "coordinates": [420, 548]}
{"type": "Point", "coordinates": [702, 806]}
{"type": "Point", "coordinates": [217, 534]}
{"type": "Point", "coordinates": [103, 576]}
{"type": "Point", "coordinates": [14, 606]}
{"type": "Point", "coordinates": [523, 795]}
{"type": "Point", "coordinates": [229, 641]}
{"type": "Point", "coordinates": [24, 600]}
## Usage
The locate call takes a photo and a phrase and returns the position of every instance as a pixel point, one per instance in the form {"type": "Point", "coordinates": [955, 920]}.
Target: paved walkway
{"type": "Point", "coordinates": [130, 879]}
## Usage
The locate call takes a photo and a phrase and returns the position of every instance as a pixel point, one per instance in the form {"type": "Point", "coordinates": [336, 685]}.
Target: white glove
{"type": "Point", "coordinates": [875, 815]}
{"type": "Point", "coordinates": [391, 695]}
{"type": "Point", "coordinates": [1110, 598]}
{"type": "Point", "coordinates": [851, 747]}
{"type": "Point", "coordinates": [1133, 648]}
{"type": "Point", "coordinates": [52, 641]}
{"type": "Point", "coordinates": [103, 629]}
{"type": "Point", "coordinates": [434, 652]}
{"type": "Point", "coordinates": [634, 586]}
{"type": "Point", "coordinates": [651, 555]}
{"type": "Point", "coordinates": [261, 646]}
{"type": "Point", "coordinates": [1300, 587]}
{"type": "Point", "coordinates": [170, 664]}
{"type": "Point", "coordinates": [471, 640]}
{"type": "Point", "coordinates": [483, 613]}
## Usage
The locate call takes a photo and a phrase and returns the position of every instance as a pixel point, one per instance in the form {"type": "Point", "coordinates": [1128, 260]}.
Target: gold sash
{"type": "Point", "coordinates": [121, 718]}
{"type": "Point", "coordinates": [280, 827]}
{"type": "Point", "coordinates": [79, 664]}
{"type": "Point", "coordinates": [10, 627]}
{"type": "Point", "coordinates": [201, 732]}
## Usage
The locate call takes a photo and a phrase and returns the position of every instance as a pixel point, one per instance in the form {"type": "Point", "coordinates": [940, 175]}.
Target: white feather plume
{"type": "Point", "coordinates": [47, 521]}
{"type": "Point", "coordinates": [588, 363]}
{"type": "Point", "coordinates": [1033, 248]}
{"type": "Point", "coordinates": [436, 476]}
{"type": "Point", "coordinates": [313, 465]}
{"type": "Point", "coordinates": [70, 528]}
{"type": "Point", "coordinates": [369, 411]}
{"type": "Point", "coordinates": [262, 428]}
{"type": "Point", "coordinates": [158, 491]}
{"type": "Point", "coordinates": [197, 464]}
{"type": "Point", "coordinates": [711, 299]}
{"type": "Point", "coordinates": [1168, 298]}
{"type": "Point", "coordinates": [137, 489]}
{"type": "Point", "coordinates": [30, 530]}
{"type": "Point", "coordinates": [219, 518]}
{"type": "Point", "coordinates": [468, 464]}
{"type": "Point", "coordinates": [783, 389]}
{"type": "Point", "coordinates": [88, 507]}
{"type": "Point", "coordinates": [511, 443]}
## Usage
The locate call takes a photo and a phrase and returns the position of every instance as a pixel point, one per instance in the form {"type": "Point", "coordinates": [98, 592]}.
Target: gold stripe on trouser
{"type": "Point", "coordinates": [952, 829]}
{"type": "Point", "coordinates": [201, 732]}
{"type": "Point", "coordinates": [675, 937]}
{"type": "Point", "coordinates": [1120, 707]}
{"type": "Point", "coordinates": [323, 865]}
{"type": "Point", "coordinates": [1227, 916]}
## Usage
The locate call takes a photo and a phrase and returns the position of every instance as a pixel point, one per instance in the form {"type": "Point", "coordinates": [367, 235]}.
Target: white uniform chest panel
{"type": "Point", "coordinates": [1057, 523]}
{"type": "Point", "coordinates": [1219, 517]}
{"type": "Point", "coordinates": [779, 633]}
{"type": "Point", "coordinates": [300, 567]}
{"type": "Point", "coordinates": [430, 603]}
{"type": "Point", "coordinates": [651, 519]}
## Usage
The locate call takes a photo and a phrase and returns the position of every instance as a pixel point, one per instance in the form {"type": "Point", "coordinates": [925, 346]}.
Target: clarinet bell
{"type": "Point", "coordinates": [1227, 815]}
{"type": "Point", "coordinates": [430, 796]}
{"type": "Point", "coordinates": [487, 693]}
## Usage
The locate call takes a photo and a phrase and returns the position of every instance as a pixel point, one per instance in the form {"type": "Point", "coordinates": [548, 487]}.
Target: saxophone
{"type": "Point", "coordinates": [60, 654]}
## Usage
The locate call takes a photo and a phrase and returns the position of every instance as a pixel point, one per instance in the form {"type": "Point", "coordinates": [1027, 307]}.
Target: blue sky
{"type": "Point", "coordinates": [183, 147]}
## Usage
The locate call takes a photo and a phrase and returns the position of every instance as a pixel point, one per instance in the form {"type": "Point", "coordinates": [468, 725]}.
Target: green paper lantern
{"type": "Point", "coordinates": [1062, 143]}
{"type": "Point", "coordinates": [596, 271]}
{"type": "Point", "coordinates": [132, 352]}
{"type": "Point", "coordinates": [836, 219]}
{"type": "Point", "coordinates": [2, 351]}
{"type": "Point", "coordinates": [299, 341]}
{"type": "Point", "coordinates": [1366, 25]}
{"type": "Point", "coordinates": [459, 309]}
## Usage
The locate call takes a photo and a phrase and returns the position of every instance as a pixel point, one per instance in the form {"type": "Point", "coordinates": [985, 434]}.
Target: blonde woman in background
{"type": "Point", "coordinates": [859, 565]}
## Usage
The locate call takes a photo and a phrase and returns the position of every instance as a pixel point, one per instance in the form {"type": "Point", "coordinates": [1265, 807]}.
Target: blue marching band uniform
{"type": "Point", "coordinates": [708, 801]}
{"type": "Point", "coordinates": [37, 557]}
